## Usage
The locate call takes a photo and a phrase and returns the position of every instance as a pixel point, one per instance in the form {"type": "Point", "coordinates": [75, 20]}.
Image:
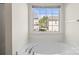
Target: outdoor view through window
{"type": "Point", "coordinates": [46, 19]}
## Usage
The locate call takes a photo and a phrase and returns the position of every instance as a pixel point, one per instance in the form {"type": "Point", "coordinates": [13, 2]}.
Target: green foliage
{"type": "Point", "coordinates": [42, 29]}
{"type": "Point", "coordinates": [43, 21]}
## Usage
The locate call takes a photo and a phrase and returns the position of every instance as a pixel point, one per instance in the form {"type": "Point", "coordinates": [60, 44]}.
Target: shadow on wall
{"type": "Point", "coordinates": [5, 29]}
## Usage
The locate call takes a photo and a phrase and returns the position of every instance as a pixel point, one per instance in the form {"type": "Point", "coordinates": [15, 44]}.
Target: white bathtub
{"type": "Point", "coordinates": [54, 48]}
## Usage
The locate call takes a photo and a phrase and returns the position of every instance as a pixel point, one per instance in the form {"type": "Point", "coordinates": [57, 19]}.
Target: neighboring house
{"type": "Point", "coordinates": [53, 23]}
{"type": "Point", "coordinates": [36, 22]}
{"type": "Point", "coordinates": [52, 20]}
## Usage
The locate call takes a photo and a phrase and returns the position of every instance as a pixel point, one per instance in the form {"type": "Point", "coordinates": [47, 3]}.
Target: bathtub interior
{"type": "Point", "coordinates": [54, 48]}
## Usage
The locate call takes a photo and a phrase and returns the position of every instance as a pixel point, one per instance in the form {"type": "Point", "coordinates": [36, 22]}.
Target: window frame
{"type": "Point", "coordinates": [31, 21]}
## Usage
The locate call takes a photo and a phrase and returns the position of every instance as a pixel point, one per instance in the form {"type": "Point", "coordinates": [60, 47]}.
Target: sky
{"type": "Point", "coordinates": [46, 11]}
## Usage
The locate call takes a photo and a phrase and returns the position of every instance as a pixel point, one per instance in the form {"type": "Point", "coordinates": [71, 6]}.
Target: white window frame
{"type": "Point", "coordinates": [61, 21]}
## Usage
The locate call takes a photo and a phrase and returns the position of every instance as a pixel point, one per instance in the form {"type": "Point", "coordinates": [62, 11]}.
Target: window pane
{"type": "Point", "coordinates": [56, 10]}
{"type": "Point", "coordinates": [36, 28]}
{"type": "Point", "coordinates": [45, 18]}
{"type": "Point", "coordinates": [36, 21]}
{"type": "Point", "coordinates": [55, 29]}
{"type": "Point", "coordinates": [56, 17]}
{"type": "Point", "coordinates": [50, 28]}
{"type": "Point", "coordinates": [55, 22]}
{"type": "Point", "coordinates": [50, 23]}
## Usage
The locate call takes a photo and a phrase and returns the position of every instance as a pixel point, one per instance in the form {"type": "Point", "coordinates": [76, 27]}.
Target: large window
{"type": "Point", "coordinates": [46, 19]}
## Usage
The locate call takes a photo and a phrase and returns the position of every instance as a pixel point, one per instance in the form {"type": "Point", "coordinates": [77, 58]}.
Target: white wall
{"type": "Point", "coordinates": [19, 26]}
{"type": "Point", "coordinates": [46, 36]}
{"type": "Point", "coordinates": [72, 26]}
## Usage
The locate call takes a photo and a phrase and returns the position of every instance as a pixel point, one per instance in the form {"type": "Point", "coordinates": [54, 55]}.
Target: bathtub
{"type": "Point", "coordinates": [53, 48]}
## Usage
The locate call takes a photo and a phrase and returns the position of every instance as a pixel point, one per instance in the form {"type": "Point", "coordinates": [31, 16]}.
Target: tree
{"type": "Point", "coordinates": [43, 21]}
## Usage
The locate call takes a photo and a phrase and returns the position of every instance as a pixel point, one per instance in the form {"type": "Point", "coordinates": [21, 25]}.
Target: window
{"type": "Point", "coordinates": [46, 19]}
